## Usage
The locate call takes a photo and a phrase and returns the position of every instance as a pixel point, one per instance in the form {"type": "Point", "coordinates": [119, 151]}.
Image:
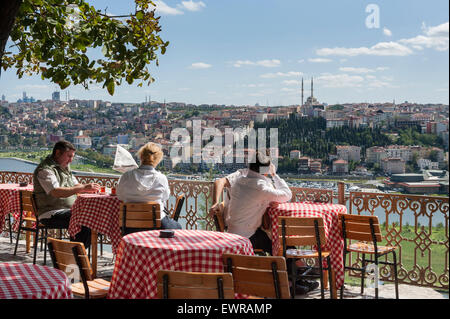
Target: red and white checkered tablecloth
{"type": "Point", "coordinates": [140, 256]}
{"type": "Point", "coordinates": [98, 212]}
{"type": "Point", "coordinates": [10, 202]}
{"type": "Point", "coordinates": [28, 281]}
{"type": "Point", "coordinates": [329, 213]}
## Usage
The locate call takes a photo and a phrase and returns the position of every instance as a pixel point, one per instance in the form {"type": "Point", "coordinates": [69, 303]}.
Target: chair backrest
{"type": "Point", "coordinates": [27, 202]}
{"type": "Point", "coordinates": [359, 228]}
{"type": "Point", "coordinates": [69, 256]}
{"type": "Point", "coordinates": [219, 218]}
{"type": "Point", "coordinates": [178, 205]}
{"type": "Point", "coordinates": [194, 285]}
{"type": "Point", "coordinates": [301, 231]}
{"type": "Point", "coordinates": [144, 216]}
{"type": "Point", "coordinates": [262, 276]}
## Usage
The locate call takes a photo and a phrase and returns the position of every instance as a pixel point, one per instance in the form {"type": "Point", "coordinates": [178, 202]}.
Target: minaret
{"type": "Point", "coordinates": [312, 88]}
{"type": "Point", "coordinates": [302, 91]}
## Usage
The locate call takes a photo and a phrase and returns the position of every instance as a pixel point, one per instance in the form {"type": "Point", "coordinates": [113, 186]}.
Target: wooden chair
{"type": "Point", "coordinates": [135, 217]}
{"type": "Point", "coordinates": [366, 230]}
{"type": "Point", "coordinates": [305, 231]}
{"type": "Point", "coordinates": [28, 204]}
{"type": "Point", "coordinates": [178, 206]}
{"type": "Point", "coordinates": [261, 276]}
{"type": "Point", "coordinates": [69, 257]}
{"type": "Point", "coordinates": [194, 285]}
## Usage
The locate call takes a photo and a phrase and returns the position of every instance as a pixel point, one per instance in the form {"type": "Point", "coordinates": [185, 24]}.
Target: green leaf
{"type": "Point", "coordinates": [139, 15]}
{"type": "Point", "coordinates": [110, 86]}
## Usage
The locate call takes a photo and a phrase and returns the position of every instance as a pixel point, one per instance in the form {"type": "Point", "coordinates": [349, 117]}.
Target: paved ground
{"type": "Point", "coordinates": [106, 266]}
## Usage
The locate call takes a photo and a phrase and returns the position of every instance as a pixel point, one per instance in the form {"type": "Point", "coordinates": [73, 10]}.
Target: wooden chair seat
{"type": "Point", "coordinates": [366, 248]}
{"type": "Point", "coordinates": [307, 254]}
{"type": "Point", "coordinates": [98, 288]}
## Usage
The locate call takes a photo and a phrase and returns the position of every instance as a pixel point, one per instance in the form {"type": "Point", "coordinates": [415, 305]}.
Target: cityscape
{"type": "Point", "coordinates": [415, 163]}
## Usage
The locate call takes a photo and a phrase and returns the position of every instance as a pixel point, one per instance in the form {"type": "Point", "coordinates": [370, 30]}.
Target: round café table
{"type": "Point", "coordinates": [10, 202]}
{"type": "Point", "coordinates": [140, 255]}
{"type": "Point", "coordinates": [28, 281]}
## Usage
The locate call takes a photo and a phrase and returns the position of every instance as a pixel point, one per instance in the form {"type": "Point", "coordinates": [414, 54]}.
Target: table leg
{"type": "Point", "coordinates": [333, 283]}
{"type": "Point", "coordinates": [325, 279]}
{"type": "Point", "coordinates": [94, 252]}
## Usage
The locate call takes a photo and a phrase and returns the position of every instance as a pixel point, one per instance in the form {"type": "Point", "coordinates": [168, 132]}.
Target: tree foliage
{"type": "Point", "coordinates": [53, 37]}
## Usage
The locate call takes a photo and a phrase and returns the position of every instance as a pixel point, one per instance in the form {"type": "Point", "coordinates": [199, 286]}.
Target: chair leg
{"type": "Point", "coordinates": [36, 241]}
{"type": "Point", "coordinates": [376, 277]}
{"type": "Point", "coordinates": [293, 277]}
{"type": "Point", "coordinates": [322, 288]}
{"type": "Point", "coordinates": [395, 274]}
{"type": "Point", "coordinates": [17, 239]}
{"type": "Point", "coordinates": [45, 246]}
{"type": "Point", "coordinates": [330, 277]}
{"type": "Point", "coordinates": [342, 287]}
{"type": "Point", "coordinates": [363, 271]}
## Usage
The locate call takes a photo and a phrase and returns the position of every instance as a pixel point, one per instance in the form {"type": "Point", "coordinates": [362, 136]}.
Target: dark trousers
{"type": "Point", "coordinates": [61, 220]}
{"type": "Point", "coordinates": [260, 240]}
{"type": "Point", "coordinates": [166, 223]}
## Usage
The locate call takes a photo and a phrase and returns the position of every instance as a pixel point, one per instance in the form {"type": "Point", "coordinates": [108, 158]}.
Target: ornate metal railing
{"type": "Point", "coordinates": [418, 226]}
{"type": "Point", "coordinates": [422, 242]}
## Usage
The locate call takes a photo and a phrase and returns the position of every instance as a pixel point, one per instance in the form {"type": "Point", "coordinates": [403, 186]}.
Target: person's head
{"type": "Point", "coordinates": [150, 154]}
{"type": "Point", "coordinates": [260, 163]}
{"type": "Point", "coordinates": [63, 153]}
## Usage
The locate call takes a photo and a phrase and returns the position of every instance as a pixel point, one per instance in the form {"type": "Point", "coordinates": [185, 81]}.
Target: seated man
{"type": "Point", "coordinates": [146, 184]}
{"type": "Point", "coordinates": [55, 190]}
{"type": "Point", "coordinates": [251, 194]}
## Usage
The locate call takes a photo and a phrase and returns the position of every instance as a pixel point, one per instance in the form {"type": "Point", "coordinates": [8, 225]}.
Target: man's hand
{"type": "Point", "coordinates": [274, 204]}
{"type": "Point", "coordinates": [91, 188]}
{"type": "Point", "coordinates": [272, 169]}
{"type": "Point", "coordinates": [214, 209]}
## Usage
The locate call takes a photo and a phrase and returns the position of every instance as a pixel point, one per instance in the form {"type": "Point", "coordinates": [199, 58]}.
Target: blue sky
{"type": "Point", "coordinates": [243, 52]}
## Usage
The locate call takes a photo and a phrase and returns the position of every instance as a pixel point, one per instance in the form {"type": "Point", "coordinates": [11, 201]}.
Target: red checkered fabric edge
{"type": "Point", "coordinates": [27, 281]}
{"type": "Point", "coordinates": [329, 213]}
{"type": "Point", "coordinates": [99, 213]}
{"type": "Point", "coordinates": [141, 255]}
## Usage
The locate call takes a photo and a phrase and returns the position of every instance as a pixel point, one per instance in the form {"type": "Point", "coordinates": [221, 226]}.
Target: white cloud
{"type": "Point", "coordinates": [163, 9]}
{"type": "Point", "coordinates": [301, 61]}
{"type": "Point", "coordinates": [280, 74]}
{"type": "Point", "coordinates": [379, 49]}
{"type": "Point", "coordinates": [319, 60]}
{"type": "Point", "coordinates": [436, 37]}
{"type": "Point", "coordinates": [291, 82]}
{"type": "Point", "coordinates": [387, 32]}
{"type": "Point", "coordinates": [362, 70]}
{"type": "Point", "coordinates": [264, 63]}
{"type": "Point", "coordinates": [339, 80]}
{"type": "Point", "coordinates": [200, 65]}
{"type": "Point", "coordinates": [192, 6]}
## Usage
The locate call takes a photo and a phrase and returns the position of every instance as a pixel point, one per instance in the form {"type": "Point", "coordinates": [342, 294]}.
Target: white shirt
{"type": "Point", "coordinates": [144, 184]}
{"type": "Point", "coordinates": [250, 197]}
{"type": "Point", "coordinates": [49, 182]}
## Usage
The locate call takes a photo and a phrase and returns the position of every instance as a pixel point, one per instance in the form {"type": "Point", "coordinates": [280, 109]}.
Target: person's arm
{"type": "Point", "coordinates": [218, 187]}
{"type": "Point", "coordinates": [51, 186]}
{"type": "Point", "coordinates": [280, 192]}
{"type": "Point", "coordinates": [62, 192]}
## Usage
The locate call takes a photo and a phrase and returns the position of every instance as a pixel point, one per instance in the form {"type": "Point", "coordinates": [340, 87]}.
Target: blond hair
{"type": "Point", "coordinates": [150, 154]}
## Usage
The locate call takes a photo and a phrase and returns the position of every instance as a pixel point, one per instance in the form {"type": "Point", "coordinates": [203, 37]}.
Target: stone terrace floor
{"type": "Point", "coordinates": [106, 266]}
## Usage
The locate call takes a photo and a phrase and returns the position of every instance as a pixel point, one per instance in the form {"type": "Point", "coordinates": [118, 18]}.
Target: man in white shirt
{"type": "Point", "coordinates": [55, 190]}
{"type": "Point", "coordinates": [251, 193]}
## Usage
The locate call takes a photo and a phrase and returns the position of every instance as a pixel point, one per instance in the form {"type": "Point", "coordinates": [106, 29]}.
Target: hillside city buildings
{"type": "Point", "coordinates": [102, 125]}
